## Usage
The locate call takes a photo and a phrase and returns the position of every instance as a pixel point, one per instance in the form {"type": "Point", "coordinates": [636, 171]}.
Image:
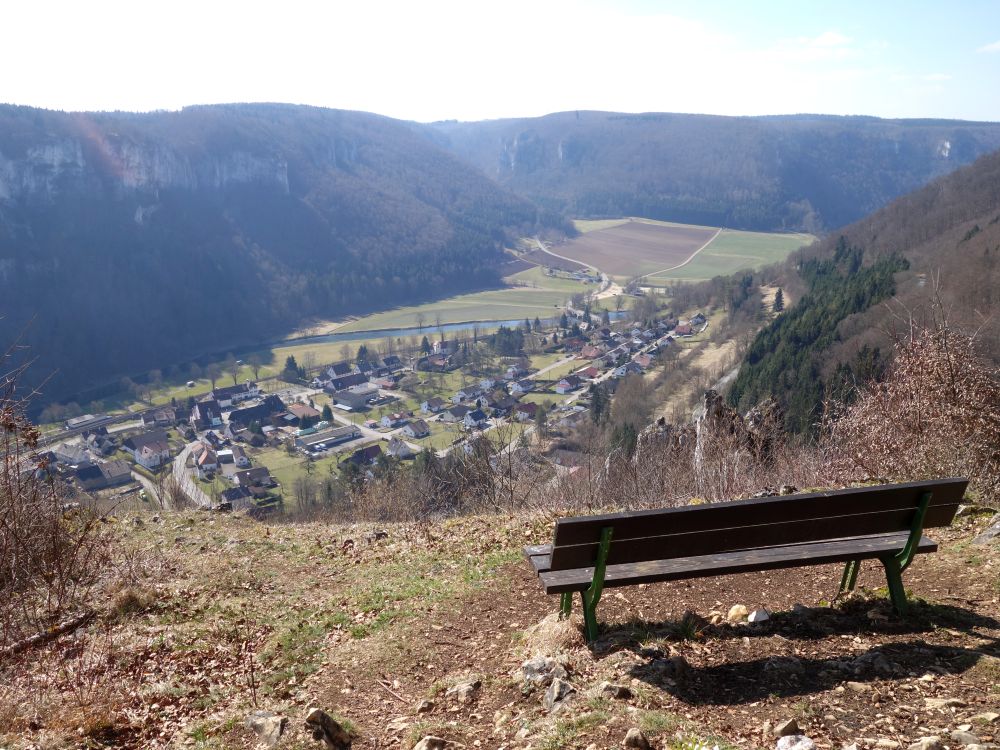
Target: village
{"type": "Point", "coordinates": [239, 447]}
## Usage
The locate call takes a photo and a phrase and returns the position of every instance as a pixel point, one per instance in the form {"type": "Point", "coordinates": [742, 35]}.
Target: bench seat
{"type": "Point", "coordinates": [762, 558]}
{"type": "Point", "coordinates": [881, 522]}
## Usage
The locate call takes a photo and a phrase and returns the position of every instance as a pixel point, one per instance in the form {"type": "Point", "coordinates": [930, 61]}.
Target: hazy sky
{"type": "Point", "coordinates": [471, 59]}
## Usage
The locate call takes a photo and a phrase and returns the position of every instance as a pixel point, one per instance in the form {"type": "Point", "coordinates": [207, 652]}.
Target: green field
{"type": "Point", "coordinates": [592, 225]}
{"type": "Point", "coordinates": [734, 251]}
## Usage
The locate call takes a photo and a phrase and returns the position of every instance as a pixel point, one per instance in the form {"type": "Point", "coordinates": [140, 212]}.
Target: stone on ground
{"type": "Point", "coordinates": [557, 693]}
{"type": "Point", "coordinates": [326, 729]}
{"type": "Point", "coordinates": [785, 728]}
{"type": "Point", "coordinates": [465, 691]}
{"type": "Point", "coordinates": [964, 738]}
{"type": "Point", "coordinates": [795, 742]}
{"type": "Point", "coordinates": [737, 613]}
{"type": "Point", "coordinates": [431, 742]}
{"type": "Point", "coordinates": [927, 743]}
{"type": "Point", "coordinates": [759, 615]}
{"type": "Point", "coordinates": [636, 739]}
{"type": "Point", "coordinates": [268, 726]}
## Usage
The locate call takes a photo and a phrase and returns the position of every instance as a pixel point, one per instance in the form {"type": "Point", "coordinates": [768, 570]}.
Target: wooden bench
{"type": "Point", "coordinates": [886, 522]}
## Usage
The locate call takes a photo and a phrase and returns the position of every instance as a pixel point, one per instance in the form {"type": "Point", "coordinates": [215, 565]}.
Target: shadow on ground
{"type": "Point", "coordinates": [904, 651]}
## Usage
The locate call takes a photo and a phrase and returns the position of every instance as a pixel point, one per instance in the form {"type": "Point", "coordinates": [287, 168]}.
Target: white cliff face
{"type": "Point", "coordinates": [40, 169]}
{"type": "Point", "coordinates": [46, 169]}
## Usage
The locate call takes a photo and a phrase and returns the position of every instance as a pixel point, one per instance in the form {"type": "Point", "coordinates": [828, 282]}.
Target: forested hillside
{"type": "Point", "coordinates": [797, 172]}
{"type": "Point", "coordinates": [135, 241]}
{"type": "Point", "coordinates": [938, 247]}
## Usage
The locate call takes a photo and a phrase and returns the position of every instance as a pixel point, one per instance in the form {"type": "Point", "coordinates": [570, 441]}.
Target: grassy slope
{"type": "Point", "coordinates": [324, 616]}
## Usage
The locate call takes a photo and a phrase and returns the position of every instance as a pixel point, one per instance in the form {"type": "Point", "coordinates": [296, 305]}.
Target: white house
{"type": "Point", "coordinates": [522, 386]}
{"type": "Point", "coordinates": [475, 418]}
{"type": "Point", "coordinates": [399, 449]}
{"type": "Point", "coordinates": [390, 421]}
{"type": "Point", "coordinates": [417, 429]}
{"type": "Point", "coordinates": [433, 405]}
{"type": "Point", "coordinates": [231, 395]}
{"type": "Point", "coordinates": [150, 449]}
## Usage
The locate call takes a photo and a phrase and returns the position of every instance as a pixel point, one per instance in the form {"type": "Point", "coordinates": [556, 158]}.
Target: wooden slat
{"type": "Point", "coordinates": [640, 524]}
{"type": "Point", "coordinates": [771, 558]}
{"type": "Point", "coordinates": [751, 536]}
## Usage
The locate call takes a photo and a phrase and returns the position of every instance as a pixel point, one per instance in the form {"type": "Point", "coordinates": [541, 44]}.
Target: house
{"type": "Point", "coordinates": [486, 384]}
{"type": "Point", "coordinates": [514, 372]}
{"type": "Point", "coordinates": [475, 418]}
{"type": "Point", "coordinates": [589, 372]}
{"type": "Point", "coordinates": [433, 405]}
{"type": "Point", "coordinates": [503, 406]}
{"type": "Point", "coordinates": [303, 413]}
{"type": "Point", "coordinates": [399, 449]}
{"type": "Point", "coordinates": [522, 386]}
{"type": "Point", "coordinates": [151, 449]}
{"type": "Point", "coordinates": [466, 394]}
{"type": "Point", "coordinates": [206, 414]}
{"type": "Point", "coordinates": [417, 429]}
{"type": "Point", "coordinates": [259, 476]}
{"type": "Point", "coordinates": [684, 329]}
{"type": "Point", "coordinates": [643, 360]}
{"type": "Point", "coordinates": [698, 319]}
{"type": "Point", "coordinates": [392, 363]}
{"type": "Point", "coordinates": [591, 352]}
{"type": "Point", "coordinates": [159, 417]}
{"type": "Point", "coordinates": [72, 455]}
{"type": "Point", "coordinates": [328, 437]}
{"type": "Point", "coordinates": [102, 444]}
{"type": "Point", "coordinates": [444, 347]}
{"type": "Point", "coordinates": [239, 498]}
{"type": "Point", "coordinates": [102, 476]}
{"type": "Point", "coordinates": [385, 383]}
{"type": "Point", "coordinates": [339, 370]}
{"type": "Point", "coordinates": [260, 413]}
{"type": "Point", "coordinates": [231, 395]}
{"type": "Point", "coordinates": [351, 400]}
{"type": "Point", "coordinates": [207, 462]}
{"type": "Point", "coordinates": [455, 414]}
{"type": "Point", "coordinates": [392, 421]}
{"type": "Point", "coordinates": [214, 439]}
{"type": "Point", "coordinates": [525, 411]}
{"type": "Point", "coordinates": [568, 384]}
{"type": "Point", "coordinates": [240, 457]}
{"type": "Point", "coordinates": [347, 381]}
{"type": "Point", "coordinates": [629, 368]}
{"type": "Point", "coordinates": [366, 456]}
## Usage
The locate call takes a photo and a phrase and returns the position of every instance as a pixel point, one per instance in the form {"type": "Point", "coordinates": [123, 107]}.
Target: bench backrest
{"type": "Point", "coordinates": [641, 536]}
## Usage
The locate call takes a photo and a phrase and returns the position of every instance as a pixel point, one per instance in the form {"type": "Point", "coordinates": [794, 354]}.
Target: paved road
{"type": "Point", "coordinates": [151, 492]}
{"type": "Point", "coordinates": [608, 289]}
{"type": "Point", "coordinates": [183, 478]}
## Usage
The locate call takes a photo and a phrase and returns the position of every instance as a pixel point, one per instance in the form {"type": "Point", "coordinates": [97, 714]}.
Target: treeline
{"type": "Point", "coordinates": [130, 242]}
{"type": "Point", "coordinates": [797, 172]}
{"type": "Point", "coordinates": [786, 359]}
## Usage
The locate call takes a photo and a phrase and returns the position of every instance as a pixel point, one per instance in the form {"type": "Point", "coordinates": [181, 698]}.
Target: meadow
{"type": "Point", "coordinates": [734, 251]}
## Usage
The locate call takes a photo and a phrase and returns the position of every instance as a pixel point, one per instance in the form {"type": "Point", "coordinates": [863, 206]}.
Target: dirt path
{"type": "Point", "coordinates": [840, 672]}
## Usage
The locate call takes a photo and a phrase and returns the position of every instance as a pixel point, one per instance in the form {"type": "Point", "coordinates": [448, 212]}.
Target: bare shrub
{"type": "Point", "coordinates": [936, 414]}
{"type": "Point", "coordinates": [50, 553]}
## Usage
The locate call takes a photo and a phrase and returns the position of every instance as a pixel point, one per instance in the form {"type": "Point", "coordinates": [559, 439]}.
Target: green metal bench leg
{"type": "Point", "coordinates": [565, 605]}
{"type": "Point", "coordinates": [850, 578]}
{"type": "Point", "coordinates": [895, 564]}
{"type": "Point", "coordinates": [592, 595]}
{"type": "Point", "coordinates": [893, 575]}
